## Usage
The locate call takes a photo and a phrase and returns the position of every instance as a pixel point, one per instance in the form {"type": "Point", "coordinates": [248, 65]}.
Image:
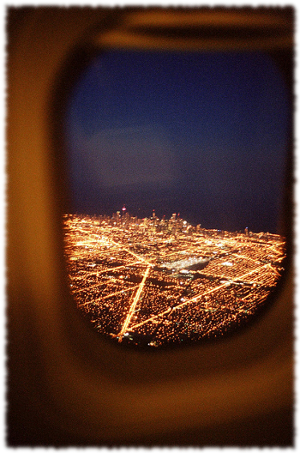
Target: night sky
{"type": "Point", "coordinates": [200, 134]}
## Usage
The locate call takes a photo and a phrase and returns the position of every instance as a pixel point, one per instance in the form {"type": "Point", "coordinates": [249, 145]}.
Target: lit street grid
{"type": "Point", "coordinates": [154, 282]}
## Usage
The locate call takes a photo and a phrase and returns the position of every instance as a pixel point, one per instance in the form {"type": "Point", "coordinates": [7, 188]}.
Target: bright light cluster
{"type": "Point", "coordinates": [152, 282]}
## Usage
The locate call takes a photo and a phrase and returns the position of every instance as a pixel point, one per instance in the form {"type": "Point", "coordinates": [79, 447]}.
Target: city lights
{"type": "Point", "coordinates": [154, 282]}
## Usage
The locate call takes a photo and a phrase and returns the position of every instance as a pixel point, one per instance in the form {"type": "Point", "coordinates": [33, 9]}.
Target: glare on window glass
{"type": "Point", "coordinates": [177, 165]}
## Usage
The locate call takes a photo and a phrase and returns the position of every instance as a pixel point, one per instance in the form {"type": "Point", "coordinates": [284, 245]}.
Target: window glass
{"type": "Point", "coordinates": [177, 164]}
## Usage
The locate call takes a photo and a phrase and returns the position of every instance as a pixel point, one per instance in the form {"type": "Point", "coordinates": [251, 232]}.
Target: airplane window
{"type": "Point", "coordinates": [177, 167]}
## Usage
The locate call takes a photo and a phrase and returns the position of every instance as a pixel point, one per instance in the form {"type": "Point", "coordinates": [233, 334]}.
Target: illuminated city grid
{"type": "Point", "coordinates": [156, 282]}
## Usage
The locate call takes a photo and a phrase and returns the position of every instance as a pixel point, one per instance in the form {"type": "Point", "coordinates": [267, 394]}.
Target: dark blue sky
{"type": "Point", "coordinates": [200, 134]}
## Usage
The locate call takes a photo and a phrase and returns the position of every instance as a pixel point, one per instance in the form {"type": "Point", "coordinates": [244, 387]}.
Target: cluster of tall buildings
{"type": "Point", "coordinates": [172, 225]}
